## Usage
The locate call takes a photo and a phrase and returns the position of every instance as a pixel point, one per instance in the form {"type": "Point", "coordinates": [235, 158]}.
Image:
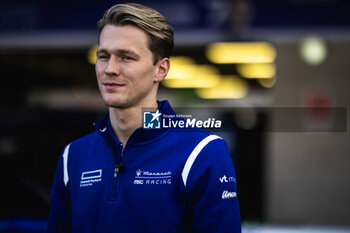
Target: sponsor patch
{"type": "Point", "coordinates": [226, 195]}
{"type": "Point", "coordinates": [152, 178]}
{"type": "Point", "coordinates": [90, 177]}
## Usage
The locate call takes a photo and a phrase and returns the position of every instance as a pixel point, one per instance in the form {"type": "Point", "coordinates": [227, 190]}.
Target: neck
{"type": "Point", "coordinates": [125, 121]}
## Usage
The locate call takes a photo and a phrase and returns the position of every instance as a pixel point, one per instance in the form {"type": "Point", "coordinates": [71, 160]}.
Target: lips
{"type": "Point", "coordinates": [112, 86]}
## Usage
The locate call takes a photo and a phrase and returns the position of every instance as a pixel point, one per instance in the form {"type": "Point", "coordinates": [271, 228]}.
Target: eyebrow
{"type": "Point", "coordinates": [119, 52]}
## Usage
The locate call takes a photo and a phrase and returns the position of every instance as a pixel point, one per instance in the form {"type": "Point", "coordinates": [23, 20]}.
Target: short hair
{"type": "Point", "coordinates": [154, 24]}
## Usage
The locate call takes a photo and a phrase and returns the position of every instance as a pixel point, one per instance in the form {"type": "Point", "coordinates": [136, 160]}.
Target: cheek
{"type": "Point", "coordinates": [147, 74]}
{"type": "Point", "coordinates": [98, 70]}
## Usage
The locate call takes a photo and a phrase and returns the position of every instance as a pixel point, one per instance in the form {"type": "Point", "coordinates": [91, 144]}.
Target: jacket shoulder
{"type": "Point", "coordinates": [190, 134]}
{"type": "Point", "coordinates": [86, 139]}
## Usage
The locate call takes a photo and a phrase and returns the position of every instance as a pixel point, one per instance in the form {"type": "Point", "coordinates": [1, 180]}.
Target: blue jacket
{"type": "Point", "coordinates": [162, 181]}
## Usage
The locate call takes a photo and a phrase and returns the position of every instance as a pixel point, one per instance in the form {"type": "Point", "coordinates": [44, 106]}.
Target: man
{"type": "Point", "coordinates": [124, 178]}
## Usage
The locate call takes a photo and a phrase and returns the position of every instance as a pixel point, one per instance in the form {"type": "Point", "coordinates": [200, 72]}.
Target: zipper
{"type": "Point", "coordinates": [113, 194]}
{"type": "Point", "coordinates": [114, 191]}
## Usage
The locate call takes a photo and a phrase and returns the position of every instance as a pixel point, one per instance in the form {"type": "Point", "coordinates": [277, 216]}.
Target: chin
{"type": "Point", "coordinates": [116, 104]}
{"type": "Point", "coordinates": [112, 100]}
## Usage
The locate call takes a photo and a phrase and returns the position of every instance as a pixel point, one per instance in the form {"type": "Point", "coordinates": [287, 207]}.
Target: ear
{"type": "Point", "coordinates": [162, 69]}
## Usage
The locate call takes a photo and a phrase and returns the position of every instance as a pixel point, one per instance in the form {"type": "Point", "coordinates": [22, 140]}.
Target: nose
{"type": "Point", "coordinates": [113, 66]}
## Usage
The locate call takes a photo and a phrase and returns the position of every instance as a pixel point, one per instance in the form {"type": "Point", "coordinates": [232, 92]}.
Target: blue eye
{"type": "Point", "coordinates": [102, 57]}
{"type": "Point", "coordinates": [127, 58]}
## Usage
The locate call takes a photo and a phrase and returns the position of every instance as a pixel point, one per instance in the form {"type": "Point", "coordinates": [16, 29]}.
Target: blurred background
{"type": "Point", "coordinates": [276, 72]}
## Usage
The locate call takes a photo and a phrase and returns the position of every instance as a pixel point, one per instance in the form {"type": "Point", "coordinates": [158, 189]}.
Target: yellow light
{"type": "Point", "coordinates": [91, 56]}
{"type": "Point", "coordinates": [267, 83]}
{"type": "Point", "coordinates": [241, 52]}
{"type": "Point", "coordinates": [205, 81]}
{"type": "Point", "coordinates": [181, 60]}
{"type": "Point", "coordinates": [191, 76]}
{"type": "Point", "coordinates": [181, 67]}
{"type": "Point", "coordinates": [230, 87]}
{"type": "Point", "coordinates": [257, 70]}
{"type": "Point", "coordinates": [181, 71]}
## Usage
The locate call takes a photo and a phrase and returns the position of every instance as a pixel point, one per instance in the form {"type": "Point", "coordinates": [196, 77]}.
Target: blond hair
{"type": "Point", "coordinates": [154, 24]}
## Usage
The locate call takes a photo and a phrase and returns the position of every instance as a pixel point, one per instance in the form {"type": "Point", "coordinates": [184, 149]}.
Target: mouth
{"type": "Point", "coordinates": [112, 86]}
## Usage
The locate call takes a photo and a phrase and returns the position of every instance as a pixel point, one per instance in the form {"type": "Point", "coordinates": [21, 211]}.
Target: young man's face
{"type": "Point", "coordinates": [125, 72]}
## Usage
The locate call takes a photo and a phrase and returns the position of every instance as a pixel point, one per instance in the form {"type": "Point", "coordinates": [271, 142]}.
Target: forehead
{"type": "Point", "coordinates": [123, 37]}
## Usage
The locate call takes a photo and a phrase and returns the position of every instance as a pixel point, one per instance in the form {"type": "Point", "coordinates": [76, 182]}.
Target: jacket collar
{"type": "Point", "coordinates": [140, 135]}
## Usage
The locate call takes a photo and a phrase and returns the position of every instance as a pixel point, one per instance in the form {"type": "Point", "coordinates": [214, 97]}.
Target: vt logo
{"type": "Point", "coordinates": [151, 120]}
{"type": "Point", "coordinates": [223, 179]}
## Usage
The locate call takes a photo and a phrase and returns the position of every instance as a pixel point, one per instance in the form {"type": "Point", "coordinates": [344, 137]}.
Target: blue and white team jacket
{"type": "Point", "coordinates": [161, 181]}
